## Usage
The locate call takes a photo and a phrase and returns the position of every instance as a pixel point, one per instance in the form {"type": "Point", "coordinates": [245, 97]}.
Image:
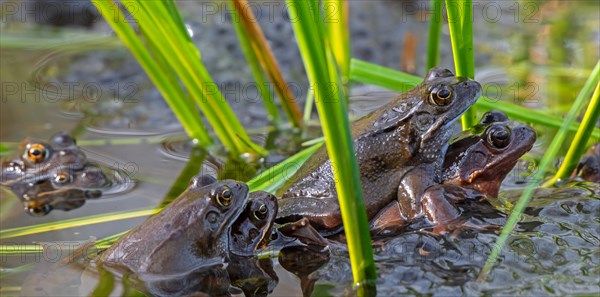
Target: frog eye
{"type": "Point", "coordinates": [38, 210]}
{"type": "Point", "coordinates": [499, 136]}
{"type": "Point", "coordinates": [224, 196]}
{"type": "Point", "coordinates": [36, 153]}
{"type": "Point", "coordinates": [62, 178]}
{"type": "Point", "coordinates": [441, 96]}
{"type": "Point", "coordinates": [261, 212]}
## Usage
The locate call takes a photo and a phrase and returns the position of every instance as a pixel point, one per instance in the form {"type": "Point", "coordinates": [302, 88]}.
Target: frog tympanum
{"type": "Point", "coordinates": [475, 164]}
{"type": "Point", "coordinates": [399, 149]}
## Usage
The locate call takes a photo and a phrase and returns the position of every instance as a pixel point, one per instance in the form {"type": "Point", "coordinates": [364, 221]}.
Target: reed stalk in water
{"type": "Point", "coordinates": [460, 24]}
{"type": "Point", "coordinates": [256, 47]}
{"type": "Point", "coordinates": [435, 32]}
{"type": "Point", "coordinates": [321, 70]}
{"type": "Point", "coordinates": [548, 159]}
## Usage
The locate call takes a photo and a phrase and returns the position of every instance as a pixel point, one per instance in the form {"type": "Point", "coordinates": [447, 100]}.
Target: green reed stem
{"type": "Point", "coordinates": [254, 64]}
{"type": "Point", "coordinates": [368, 73]}
{"type": "Point", "coordinates": [435, 33]}
{"type": "Point", "coordinates": [460, 24]}
{"type": "Point", "coordinates": [184, 58]}
{"type": "Point", "coordinates": [578, 145]}
{"type": "Point", "coordinates": [545, 163]}
{"type": "Point", "coordinates": [273, 178]}
{"type": "Point", "coordinates": [267, 59]}
{"type": "Point", "coordinates": [336, 21]}
{"type": "Point", "coordinates": [332, 109]}
{"type": "Point", "coordinates": [77, 222]}
{"type": "Point", "coordinates": [173, 94]}
{"type": "Point", "coordinates": [308, 105]}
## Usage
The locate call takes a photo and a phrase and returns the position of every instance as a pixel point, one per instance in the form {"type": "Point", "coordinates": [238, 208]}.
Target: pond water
{"type": "Point", "coordinates": [536, 54]}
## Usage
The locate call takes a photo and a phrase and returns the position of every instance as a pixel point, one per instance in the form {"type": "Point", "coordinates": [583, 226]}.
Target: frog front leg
{"type": "Point", "coordinates": [322, 213]}
{"type": "Point", "coordinates": [410, 191]}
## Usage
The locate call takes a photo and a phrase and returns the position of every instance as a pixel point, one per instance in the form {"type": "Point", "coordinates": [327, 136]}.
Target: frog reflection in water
{"type": "Point", "coordinates": [191, 233]}
{"type": "Point", "coordinates": [53, 175]}
{"type": "Point", "coordinates": [476, 163]}
{"type": "Point", "coordinates": [249, 234]}
{"type": "Point", "coordinates": [399, 149]}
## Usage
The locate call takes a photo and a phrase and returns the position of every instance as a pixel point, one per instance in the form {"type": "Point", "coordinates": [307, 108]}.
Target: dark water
{"type": "Point", "coordinates": [102, 97]}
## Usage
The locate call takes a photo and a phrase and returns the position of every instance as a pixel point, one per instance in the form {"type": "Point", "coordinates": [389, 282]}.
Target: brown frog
{"type": "Point", "coordinates": [398, 148]}
{"type": "Point", "coordinates": [65, 189]}
{"type": "Point", "coordinates": [54, 175]}
{"type": "Point", "coordinates": [38, 159]}
{"type": "Point", "coordinates": [252, 229]}
{"type": "Point", "coordinates": [589, 166]}
{"type": "Point", "coordinates": [190, 233]}
{"type": "Point", "coordinates": [475, 164]}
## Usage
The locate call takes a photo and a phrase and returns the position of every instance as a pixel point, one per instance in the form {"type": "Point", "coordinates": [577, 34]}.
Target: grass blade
{"type": "Point", "coordinates": [191, 121]}
{"type": "Point", "coordinates": [435, 32]}
{"type": "Point", "coordinates": [336, 19]}
{"type": "Point", "coordinates": [545, 163]}
{"type": "Point", "coordinates": [336, 129]}
{"type": "Point", "coordinates": [254, 64]}
{"type": "Point", "coordinates": [460, 18]}
{"type": "Point", "coordinates": [577, 147]}
{"type": "Point", "coordinates": [267, 60]}
{"type": "Point", "coordinates": [76, 222]}
{"type": "Point", "coordinates": [274, 177]}
{"type": "Point", "coordinates": [365, 72]}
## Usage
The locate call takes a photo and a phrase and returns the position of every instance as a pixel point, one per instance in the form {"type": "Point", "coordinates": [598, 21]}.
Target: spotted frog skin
{"type": "Point", "coordinates": [475, 164]}
{"type": "Point", "coordinates": [398, 148]}
{"type": "Point", "coordinates": [53, 175]}
{"type": "Point", "coordinates": [190, 233]}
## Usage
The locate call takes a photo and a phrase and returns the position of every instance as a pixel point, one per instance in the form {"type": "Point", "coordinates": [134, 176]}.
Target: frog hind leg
{"type": "Point", "coordinates": [388, 221]}
{"type": "Point", "coordinates": [322, 213]}
{"type": "Point", "coordinates": [410, 191]}
{"type": "Point", "coordinates": [438, 209]}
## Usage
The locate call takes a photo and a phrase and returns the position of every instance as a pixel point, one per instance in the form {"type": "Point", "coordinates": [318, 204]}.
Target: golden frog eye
{"type": "Point", "coordinates": [36, 153]}
{"type": "Point", "coordinates": [62, 178]}
{"type": "Point", "coordinates": [441, 96]}
{"type": "Point", "coordinates": [499, 136]}
{"type": "Point", "coordinates": [261, 212]}
{"type": "Point", "coordinates": [224, 196]}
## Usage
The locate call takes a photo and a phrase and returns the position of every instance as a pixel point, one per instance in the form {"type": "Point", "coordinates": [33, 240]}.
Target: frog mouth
{"type": "Point", "coordinates": [230, 218]}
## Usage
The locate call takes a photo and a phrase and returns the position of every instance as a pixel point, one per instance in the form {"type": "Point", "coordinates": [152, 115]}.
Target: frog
{"type": "Point", "coordinates": [589, 166]}
{"type": "Point", "coordinates": [39, 158]}
{"type": "Point", "coordinates": [475, 164]}
{"type": "Point", "coordinates": [253, 275]}
{"type": "Point", "coordinates": [53, 175]}
{"type": "Point", "coordinates": [64, 189]}
{"type": "Point", "coordinates": [190, 233]}
{"type": "Point", "coordinates": [252, 229]}
{"type": "Point", "coordinates": [399, 148]}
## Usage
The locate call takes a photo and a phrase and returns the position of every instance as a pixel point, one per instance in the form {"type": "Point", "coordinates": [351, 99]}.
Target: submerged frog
{"type": "Point", "coordinates": [476, 163]}
{"type": "Point", "coordinates": [399, 149]}
{"type": "Point", "coordinates": [190, 233]}
{"type": "Point", "coordinates": [55, 175]}
{"type": "Point", "coordinates": [589, 167]}
{"type": "Point", "coordinates": [38, 159]}
{"type": "Point", "coordinates": [65, 189]}
{"type": "Point", "coordinates": [252, 230]}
